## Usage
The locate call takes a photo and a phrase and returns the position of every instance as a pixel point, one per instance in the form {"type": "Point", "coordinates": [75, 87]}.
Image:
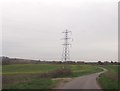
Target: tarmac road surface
{"type": "Point", "coordinates": [84, 82]}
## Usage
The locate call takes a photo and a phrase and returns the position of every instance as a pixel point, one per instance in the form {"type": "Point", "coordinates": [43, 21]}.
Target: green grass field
{"type": "Point", "coordinates": [29, 68]}
{"type": "Point", "coordinates": [43, 68]}
{"type": "Point", "coordinates": [109, 80]}
{"type": "Point", "coordinates": [39, 83]}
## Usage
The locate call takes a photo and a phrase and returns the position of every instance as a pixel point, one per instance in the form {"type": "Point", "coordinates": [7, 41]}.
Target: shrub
{"type": "Point", "coordinates": [57, 73]}
{"type": "Point", "coordinates": [60, 72]}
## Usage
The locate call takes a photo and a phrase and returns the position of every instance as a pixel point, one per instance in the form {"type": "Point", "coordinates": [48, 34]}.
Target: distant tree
{"type": "Point", "coordinates": [115, 62]}
{"type": "Point", "coordinates": [106, 62]}
{"type": "Point", "coordinates": [99, 62]}
{"type": "Point", "coordinates": [112, 62]}
{"type": "Point", "coordinates": [5, 60]}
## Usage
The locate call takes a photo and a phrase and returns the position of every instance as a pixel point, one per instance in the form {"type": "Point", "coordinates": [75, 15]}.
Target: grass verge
{"type": "Point", "coordinates": [109, 80]}
{"type": "Point", "coordinates": [33, 84]}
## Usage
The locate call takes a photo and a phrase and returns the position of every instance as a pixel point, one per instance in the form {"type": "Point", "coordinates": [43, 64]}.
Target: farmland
{"type": "Point", "coordinates": [27, 82]}
{"type": "Point", "coordinates": [43, 68]}
{"type": "Point", "coordinates": [27, 76]}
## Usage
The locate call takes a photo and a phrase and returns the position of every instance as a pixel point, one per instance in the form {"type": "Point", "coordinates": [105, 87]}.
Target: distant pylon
{"type": "Point", "coordinates": [66, 45]}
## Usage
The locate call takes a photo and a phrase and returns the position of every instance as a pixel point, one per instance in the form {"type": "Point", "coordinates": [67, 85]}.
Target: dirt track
{"type": "Point", "coordinates": [83, 82]}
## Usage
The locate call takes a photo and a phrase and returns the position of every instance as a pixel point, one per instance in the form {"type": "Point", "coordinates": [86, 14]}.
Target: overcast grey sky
{"type": "Point", "coordinates": [32, 29]}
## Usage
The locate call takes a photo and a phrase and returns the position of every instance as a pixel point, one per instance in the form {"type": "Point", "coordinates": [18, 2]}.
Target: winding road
{"type": "Point", "coordinates": [84, 82]}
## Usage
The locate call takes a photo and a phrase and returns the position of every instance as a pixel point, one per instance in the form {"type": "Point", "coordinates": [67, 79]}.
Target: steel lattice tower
{"type": "Point", "coordinates": [66, 45]}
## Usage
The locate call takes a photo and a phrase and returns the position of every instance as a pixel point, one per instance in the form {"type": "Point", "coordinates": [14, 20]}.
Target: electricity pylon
{"type": "Point", "coordinates": [66, 46]}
